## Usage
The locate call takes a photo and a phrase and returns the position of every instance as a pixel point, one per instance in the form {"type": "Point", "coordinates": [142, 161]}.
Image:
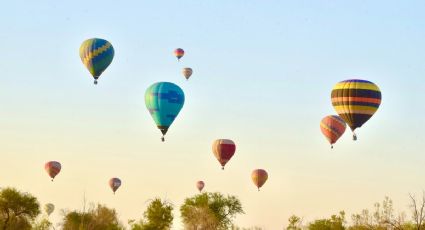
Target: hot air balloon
{"type": "Point", "coordinates": [332, 127]}
{"type": "Point", "coordinates": [223, 150]}
{"type": "Point", "coordinates": [114, 183]}
{"type": "Point", "coordinates": [187, 72]}
{"type": "Point", "coordinates": [96, 54]}
{"type": "Point", "coordinates": [52, 168]}
{"type": "Point", "coordinates": [49, 208]}
{"type": "Point", "coordinates": [200, 185]}
{"type": "Point", "coordinates": [355, 101]}
{"type": "Point", "coordinates": [179, 52]}
{"type": "Point", "coordinates": [259, 177]}
{"type": "Point", "coordinates": [164, 100]}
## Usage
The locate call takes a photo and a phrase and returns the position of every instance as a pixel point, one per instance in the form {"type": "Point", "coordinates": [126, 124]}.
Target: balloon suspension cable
{"type": "Point", "coordinates": [95, 82]}
{"type": "Point", "coordinates": [354, 137]}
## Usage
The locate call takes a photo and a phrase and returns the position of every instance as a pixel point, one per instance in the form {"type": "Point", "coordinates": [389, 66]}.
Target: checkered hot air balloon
{"type": "Point", "coordinates": [114, 184]}
{"type": "Point", "coordinates": [223, 150]}
{"type": "Point", "coordinates": [355, 101]}
{"type": "Point", "coordinates": [259, 177]}
{"type": "Point", "coordinates": [53, 168]}
{"type": "Point", "coordinates": [96, 54]}
{"type": "Point", "coordinates": [332, 127]}
{"type": "Point", "coordinates": [164, 100]}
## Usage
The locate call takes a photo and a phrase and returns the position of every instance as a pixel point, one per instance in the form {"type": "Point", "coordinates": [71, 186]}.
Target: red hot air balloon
{"type": "Point", "coordinates": [52, 168]}
{"type": "Point", "coordinates": [223, 150]}
{"type": "Point", "coordinates": [259, 177]}
{"type": "Point", "coordinates": [200, 185]}
{"type": "Point", "coordinates": [332, 127]}
{"type": "Point", "coordinates": [179, 53]}
{"type": "Point", "coordinates": [114, 183]}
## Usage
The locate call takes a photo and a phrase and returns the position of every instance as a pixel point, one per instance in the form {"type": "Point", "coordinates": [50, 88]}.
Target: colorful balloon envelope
{"type": "Point", "coordinates": [49, 208]}
{"type": "Point", "coordinates": [179, 53]}
{"type": "Point", "coordinates": [356, 101]}
{"type": "Point", "coordinates": [332, 127]}
{"type": "Point", "coordinates": [96, 54]}
{"type": "Point", "coordinates": [187, 72]}
{"type": "Point", "coordinates": [223, 150]}
{"type": "Point", "coordinates": [164, 100]}
{"type": "Point", "coordinates": [259, 177]}
{"type": "Point", "coordinates": [200, 185]}
{"type": "Point", "coordinates": [52, 168]}
{"type": "Point", "coordinates": [114, 183]}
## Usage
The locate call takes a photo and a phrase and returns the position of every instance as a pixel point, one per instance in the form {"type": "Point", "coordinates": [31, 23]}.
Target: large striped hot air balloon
{"type": "Point", "coordinates": [223, 150]}
{"type": "Point", "coordinates": [355, 101]}
{"type": "Point", "coordinates": [52, 168]}
{"type": "Point", "coordinates": [179, 53]}
{"type": "Point", "coordinates": [200, 185]}
{"type": "Point", "coordinates": [259, 177]}
{"type": "Point", "coordinates": [332, 127]}
{"type": "Point", "coordinates": [164, 100]}
{"type": "Point", "coordinates": [96, 54]}
{"type": "Point", "coordinates": [187, 72]}
{"type": "Point", "coordinates": [114, 183]}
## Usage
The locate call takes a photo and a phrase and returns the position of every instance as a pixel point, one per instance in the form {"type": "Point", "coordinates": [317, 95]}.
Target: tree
{"type": "Point", "coordinates": [97, 218]}
{"type": "Point", "coordinates": [294, 223]}
{"type": "Point", "coordinates": [336, 222]}
{"type": "Point", "coordinates": [17, 209]}
{"type": "Point", "coordinates": [158, 216]}
{"type": "Point", "coordinates": [418, 211]}
{"type": "Point", "coordinates": [43, 224]}
{"type": "Point", "coordinates": [210, 211]}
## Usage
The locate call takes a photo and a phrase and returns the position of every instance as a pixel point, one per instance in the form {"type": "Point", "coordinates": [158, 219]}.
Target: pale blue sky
{"type": "Point", "coordinates": [263, 73]}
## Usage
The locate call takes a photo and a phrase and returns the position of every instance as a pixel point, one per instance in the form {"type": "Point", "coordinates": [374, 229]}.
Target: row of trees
{"type": "Point", "coordinates": [206, 211]}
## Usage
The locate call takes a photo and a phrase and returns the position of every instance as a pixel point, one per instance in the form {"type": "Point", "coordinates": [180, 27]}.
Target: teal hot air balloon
{"type": "Point", "coordinates": [164, 100]}
{"type": "Point", "coordinates": [96, 54]}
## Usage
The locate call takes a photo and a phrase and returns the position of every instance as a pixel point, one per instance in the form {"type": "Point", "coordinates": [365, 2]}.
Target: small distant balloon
{"type": "Point", "coordinates": [164, 100]}
{"type": "Point", "coordinates": [223, 150]}
{"type": "Point", "coordinates": [259, 177]}
{"type": "Point", "coordinates": [179, 53]}
{"type": "Point", "coordinates": [356, 101]}
{"type": "Point", "coordinates": [49, 208]}
{"type": "Point", "coordinates": [200, 185]}
{"type": "Point", "coordinates": [332, 127]}
{"type": "Point", "coordinates": [187, 72]}
{"type": "Point", "coordinates": [52, 168]}
{"type": "Point", "coordinates": [96, 54]}
{"type": "Point", "coordinates": [114, 183]}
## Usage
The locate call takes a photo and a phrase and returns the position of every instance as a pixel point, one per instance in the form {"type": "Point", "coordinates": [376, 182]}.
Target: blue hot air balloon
{"type": "Point", "coordinates": [164, 100]}
{"type": "Point", "coordinates": [96, 54]}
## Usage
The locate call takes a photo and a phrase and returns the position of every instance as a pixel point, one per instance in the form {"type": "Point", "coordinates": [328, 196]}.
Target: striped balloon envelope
{"type": "Point", "coordinates": [179, 53]}
{"type": "Point", "coordinates": [164, 100]}
{"type": "Point", "coordinates": [356, 101]}
{"type": "Point", "coordinates": [223, 150]}
{"type": "Point", "coordinates": [114, 184]}
{"type": "Point", "coordinates": [96, 54]}
{"type": "Point", "coordinates": [52, 168]}
{"type": "Point", "coordinates": [259, 177]}
{"type": "Point", "coordinates": [332, 127]}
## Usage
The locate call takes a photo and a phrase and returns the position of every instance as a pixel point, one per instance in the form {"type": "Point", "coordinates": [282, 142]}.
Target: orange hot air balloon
{"type": "Point", "coordinates": [223, 150]}
{"type": "Point", "coordinates": [52, 168]}
{"type": "Point", "coordinates": [114, 183]}
{"type": "Point", "coordinates": [332, 127]}
{"type": "Point", "coordinates": [259, 177]}
{"type": "Point", "coordinates": [200, 185]}
{"type": "Point", "coordinates": [179, 52]}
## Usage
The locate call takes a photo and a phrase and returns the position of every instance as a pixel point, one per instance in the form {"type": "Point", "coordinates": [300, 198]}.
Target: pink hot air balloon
{"type": "Point", "coordinates": [223, 150]}
{"type": "Point", "coordinates": [52, 168]}
{"type": "Point", "coordinates": [200, 185]}
{"type": "Point", "coordinates": [259, 177]}
{"type": "Point", "coordinates": [114, 183]}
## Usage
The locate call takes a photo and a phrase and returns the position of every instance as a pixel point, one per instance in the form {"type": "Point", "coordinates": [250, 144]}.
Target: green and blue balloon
{"type": "Point", "coordinates": [96, 54]}
{"type": "Point", "coordinates": [164, 100]}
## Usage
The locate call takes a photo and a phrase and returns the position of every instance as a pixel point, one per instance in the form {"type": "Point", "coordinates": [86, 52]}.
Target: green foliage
{"type": "Point", "coordinates": [98, 218]}
{"type": "Point", "coordinates": [336, 222]}
{"type": "Point", "coordinates": [17, 209]}
{"type": "Point", "coordinates": [294, 223]}
{"type": "Point", "coordinates": [210, 211]}
{"type": "Point", "coordinates": [158, 216]}
{"type": "Point", "coordinates": [42, 224]}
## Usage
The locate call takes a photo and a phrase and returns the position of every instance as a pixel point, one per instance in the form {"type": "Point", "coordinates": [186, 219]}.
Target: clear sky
{"type": "Point", "coordinates": [263, 73]}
